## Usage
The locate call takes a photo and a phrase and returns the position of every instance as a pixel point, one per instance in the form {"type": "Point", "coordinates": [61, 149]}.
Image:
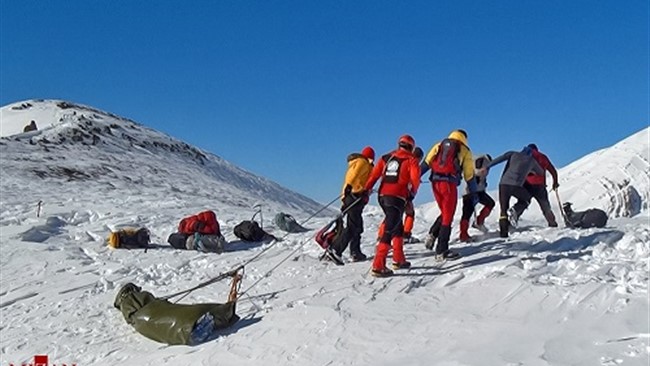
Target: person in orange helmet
{"type": "Point", "coordinates": [399, 172]}
{"type": "Point", "coordinates": [409, 211]}
{"type": "Point", "coordinates": [450, 160]}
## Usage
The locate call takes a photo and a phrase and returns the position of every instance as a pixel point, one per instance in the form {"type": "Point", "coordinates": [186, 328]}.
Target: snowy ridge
{"type": "Point", "coordinates": [81, 145]}
{"type": "Point", "coordinates": [544, 296]}
{"type": "Point", "coordinates": [615, 179]}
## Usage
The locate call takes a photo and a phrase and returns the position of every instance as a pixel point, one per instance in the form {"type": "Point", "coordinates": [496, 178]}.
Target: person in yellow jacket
{"type": "Point", "coordinates": [450, 160]}
{"type": "Point", "coordinates": [354, 200]}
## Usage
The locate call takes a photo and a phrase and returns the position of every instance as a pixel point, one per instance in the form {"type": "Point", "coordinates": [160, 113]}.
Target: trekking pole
{"type": "Point", "coordinates": [559, 202]}
{"type": "Point", "coordinates": [268, 273]}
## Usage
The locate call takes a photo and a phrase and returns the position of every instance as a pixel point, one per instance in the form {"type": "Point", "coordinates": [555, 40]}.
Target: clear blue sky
{"type": "Point", "coordinates": [286, 89]}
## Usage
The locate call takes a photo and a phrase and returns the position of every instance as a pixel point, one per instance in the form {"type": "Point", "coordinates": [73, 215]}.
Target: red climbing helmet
{"type": "Point", "coordinates": [407, 142]}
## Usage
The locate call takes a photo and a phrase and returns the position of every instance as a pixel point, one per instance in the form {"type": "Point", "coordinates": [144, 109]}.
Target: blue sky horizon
{"type": "Point", "coordinates": [288, 89]}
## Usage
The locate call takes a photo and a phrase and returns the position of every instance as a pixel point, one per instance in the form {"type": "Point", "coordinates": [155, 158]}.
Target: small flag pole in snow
{"type": "Point", "coordinates": [39, 207]}
{"type": "Point", "coordinates": [258, 210]}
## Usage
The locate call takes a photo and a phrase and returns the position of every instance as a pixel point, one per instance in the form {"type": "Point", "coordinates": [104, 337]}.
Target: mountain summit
{"type": "Point", "coordinates": [94, 150]}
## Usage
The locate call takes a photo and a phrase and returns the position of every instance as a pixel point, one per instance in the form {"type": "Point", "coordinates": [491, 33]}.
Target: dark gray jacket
{"type": "Point", "coordinates": [518, 166]}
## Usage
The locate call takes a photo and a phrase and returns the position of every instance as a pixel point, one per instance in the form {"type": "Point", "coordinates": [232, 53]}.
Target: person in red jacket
{"type": "Point", "coordinates": [400, 179]}
{"type": "Point", "coordinates": [536, 184]}
{"type": "Point", "coordinates": [409, 211]}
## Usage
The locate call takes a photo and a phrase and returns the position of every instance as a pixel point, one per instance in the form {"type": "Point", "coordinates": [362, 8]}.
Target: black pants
{"type": "Point", "coordinates": [468, 209]}
{"type": "Point", "coordinates": [354, 226]}
{"type": "Point", "coordinates": [506, 192]}
{"type": "Point", "coordinates": [539, 193]}
{"type": "Point", "coordinates": [393, 209]}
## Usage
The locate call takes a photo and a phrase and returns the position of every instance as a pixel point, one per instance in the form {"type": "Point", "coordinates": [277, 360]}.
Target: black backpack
{"type": "Point", "coordinates": [177, 240]}
{"type": "Point", "coordinates": [592, 217]}
{"type": "Point", "coordinates": [250, 231]}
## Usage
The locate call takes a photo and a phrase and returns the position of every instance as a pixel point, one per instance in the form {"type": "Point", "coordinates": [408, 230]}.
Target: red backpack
{"type": "Point", "coordinates": [445, 162]}
{"type": "Point", "coordinates": [202, 223]}
{"type": "Point", "coordinates": [328, 234]}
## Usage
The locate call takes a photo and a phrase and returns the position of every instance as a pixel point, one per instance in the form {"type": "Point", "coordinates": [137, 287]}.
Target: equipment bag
{"type": "Point", "coordinates": [592, 217]}
{"type": "Point", "coordinates": [166, 322]}
{"type": "Point", "coordinates": [287, 223]}
{"type": "Point", "coordinates": [177, 240]}
{"type": "Point", "coordinates": [206, 243]}
{"type": "Point", "coordinates": [129, 238]}
{"type": "Point", "coordinates": [328, 234]}
{"type": "Point", "coordinates": [445, 162]}
{"type": "Point", "coordinates": [249, 230]}
{"type": "Point", "coordinates": [202, 223]}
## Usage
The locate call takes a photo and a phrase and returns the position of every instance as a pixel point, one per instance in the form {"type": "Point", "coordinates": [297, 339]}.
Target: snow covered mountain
{"type": "Point", "coordinates": [544, 296]}
{"type": "Point", "coordinates": [615, 179]}
{"type": "Point", "coordinates": [97, 151]}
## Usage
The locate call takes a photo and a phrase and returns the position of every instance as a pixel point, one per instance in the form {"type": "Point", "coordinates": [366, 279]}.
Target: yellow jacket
{"type": "Point", "coordinates": [464, 155]}
{"type": "Point", "coordinates": [359, 168]}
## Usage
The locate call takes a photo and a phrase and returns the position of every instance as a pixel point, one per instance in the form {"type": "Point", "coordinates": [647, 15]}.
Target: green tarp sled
{"type": "Point", "coordinates": [170, 323]}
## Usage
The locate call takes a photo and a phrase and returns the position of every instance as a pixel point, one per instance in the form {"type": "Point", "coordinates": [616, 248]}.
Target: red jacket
{"type": "Point", "coordinates": [399, 171]}
{"type": "Point", "coordinates": [545, 163]}
{"type": "Point", "coordinates": [203, 223]}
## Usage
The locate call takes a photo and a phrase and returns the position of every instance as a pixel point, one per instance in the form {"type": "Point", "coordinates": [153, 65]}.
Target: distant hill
{"type": "Point", "coordinates": [85, 147]}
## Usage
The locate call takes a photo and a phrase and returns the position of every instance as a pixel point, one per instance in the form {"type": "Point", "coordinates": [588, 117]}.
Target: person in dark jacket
{"type": "Point", "coordinates": [536, 184]}
{"type": "Point", "coordinates": [518, 165]}
{"type": "Point", "coordinates": [354, 200]}
{"type": "Point", "coordinates": [399, 172]}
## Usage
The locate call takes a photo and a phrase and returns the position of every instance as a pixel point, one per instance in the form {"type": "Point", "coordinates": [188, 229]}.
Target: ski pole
{"type": "Point", "coordinates": [559, 202]}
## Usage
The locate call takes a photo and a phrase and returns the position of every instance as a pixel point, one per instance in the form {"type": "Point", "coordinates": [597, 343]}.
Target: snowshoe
{"type": "Point", "coordinates": [481, 227]}
{"type": "Point", "coordinates": [429, 242]}
{"type": "Point", "coordinates": [331, 256]}
{"type": "Point", "coordinates": [403, 265]}
{"type": "Point", "coordinates": [513, 218]}
{"type": "Point", "coordinates": [448, 255]}
{"type": "Point", "coordinates": [358, 257]}
{"type": "Point", "coordinates": [411, 240]}
{"type": "Point", "coordinates": [383, 272]}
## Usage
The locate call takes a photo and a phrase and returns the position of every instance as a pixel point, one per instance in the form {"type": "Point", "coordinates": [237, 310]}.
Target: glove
{"type": "Point", "coordinates": [411, 196]}
{"type": "Point", "coordinates": [555, 185]}
{"type": "Point", "coordinates": [365, 197]}
{"type": "Point", "coordinates": [424, 168]}
{"type": "Point", "coordinates": [347, 190]}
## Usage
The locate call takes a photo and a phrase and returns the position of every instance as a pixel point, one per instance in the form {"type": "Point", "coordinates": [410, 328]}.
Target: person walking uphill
{"type": "Point", "coordinates": [355, 198]}
{"type": "Point", "coordinates": [536, 184]}
{"type": "Point", "coordinates": [400, 179]}
{"type": "Point", "coordinates": [511, 185]}
{"type": "Point", "coordinates": [449, 160]}
{"type": "Point", "coordinates": [409, 211]}
{"type": "Point", "coordinates": [480, 175]}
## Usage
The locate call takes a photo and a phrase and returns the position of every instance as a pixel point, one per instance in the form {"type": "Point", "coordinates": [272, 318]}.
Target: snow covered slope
{"type": "Point", "coordinates": [615, 179]}
{"type": "Point", "coordinates": [95, 151]}
{"type": "Point", "coordinates": [544, 296]}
